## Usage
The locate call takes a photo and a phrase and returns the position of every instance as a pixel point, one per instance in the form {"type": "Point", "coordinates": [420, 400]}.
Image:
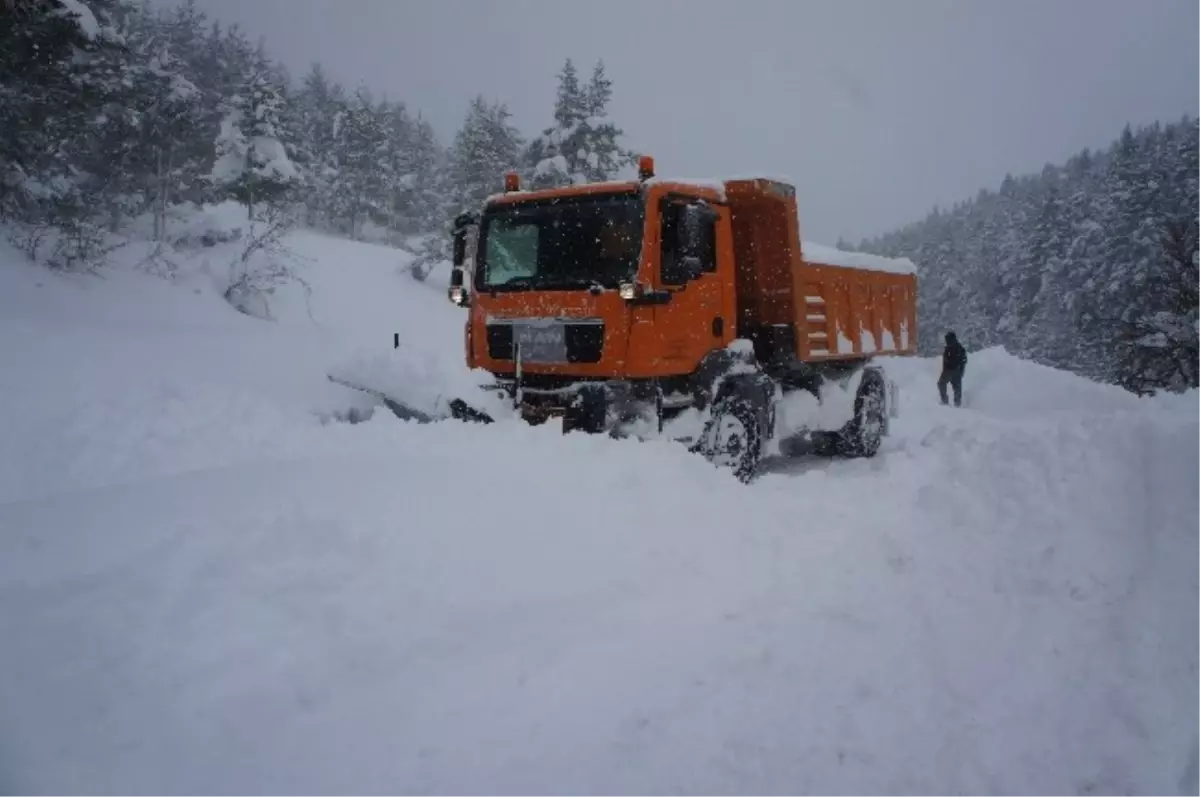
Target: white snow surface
{"type": "Point", "coordinates": [547, 165]}
{"type": "Point", "coordinates": [710, 183]}
{"type": "Point", "coordinates": [209, 585]}
{"type": "Point", "coordinates": [844, 344]}
{"type": "Point", "coordinates": [83, 17]}
{"type": "Point", "coordinates": [832, 256]}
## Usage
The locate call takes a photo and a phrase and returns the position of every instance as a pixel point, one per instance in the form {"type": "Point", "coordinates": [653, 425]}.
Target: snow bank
{"type": "Point", "coordinates": [426, 381]}
{"type": "Point", "coordinates": [128, 376]}
{"type": "Point", "coordinates": [206, 586]}
{"type": "Point", "coordinates": [1005, 386]}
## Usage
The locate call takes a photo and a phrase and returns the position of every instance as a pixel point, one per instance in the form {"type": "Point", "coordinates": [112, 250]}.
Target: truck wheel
{"type": "Point", "coordinates": [863, 436]}
{"type": "Point", "coordinates": [732, 438]}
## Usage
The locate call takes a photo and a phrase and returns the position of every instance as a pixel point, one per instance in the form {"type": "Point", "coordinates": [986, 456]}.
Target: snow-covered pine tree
{"type": "Point", "coordinates": [1067, 268]}
{"type": "Point", "coordinates": [600, 157]}
{"type": "Point", "coordinates": [142, 148]}
{"type": "Point", "coordinates": [47, 103]}
{"type": "Point", "coordinates": [252, 164]}
{"type": "Point", "coordinates": [485, 148]}
{"type": "Point", "coordinates": [361, 180]}
{"type": "Point", "coordinates": [1157, 344]}
{"type": "Point", "coordinates": [547, 155]}
{"type": "Point", "coordinates": [114, 107]}
{"type": "Point", "coordinates": [319, 104]}
{"type": "Point", "coordinates": [1044, 283]}
{"type": "Point", "coordinates": [399, 171]}
{"type": "Point", "coordinates": [582, 145]}
{"type": "Point", "coordinates": [430, 192]}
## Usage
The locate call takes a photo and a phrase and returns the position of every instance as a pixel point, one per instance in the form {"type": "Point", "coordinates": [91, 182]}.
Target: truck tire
{"type": "Point", "coordinates": [732, 438]}
{"type": "Point", "coordinates": [863, 436]}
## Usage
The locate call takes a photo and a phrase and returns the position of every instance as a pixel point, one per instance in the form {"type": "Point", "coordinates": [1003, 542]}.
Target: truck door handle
{"type": "Point", "coordinates": [718, 327]}
{"type": "Point", "coordinates": [651, 298]}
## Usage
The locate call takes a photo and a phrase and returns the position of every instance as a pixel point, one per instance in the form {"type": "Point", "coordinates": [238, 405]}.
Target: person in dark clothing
{"type": "Point", "coordinates": [954, 363]}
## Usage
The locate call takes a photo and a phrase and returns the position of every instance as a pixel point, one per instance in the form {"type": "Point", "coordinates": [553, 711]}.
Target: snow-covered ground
{"type": "Point", "coordinates": [209, 584]}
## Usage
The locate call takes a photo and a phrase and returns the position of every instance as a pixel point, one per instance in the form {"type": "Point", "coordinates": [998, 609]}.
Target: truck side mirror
{"type": "Point", "coordinates": [462, 226]}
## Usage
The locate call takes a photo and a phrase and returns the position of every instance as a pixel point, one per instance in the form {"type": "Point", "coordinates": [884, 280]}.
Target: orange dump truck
{"type": "Point", "coordinates": [630, 307]}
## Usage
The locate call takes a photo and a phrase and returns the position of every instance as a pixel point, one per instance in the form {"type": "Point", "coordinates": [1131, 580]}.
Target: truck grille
{"type": "Point", "coordinates": [584, 342]}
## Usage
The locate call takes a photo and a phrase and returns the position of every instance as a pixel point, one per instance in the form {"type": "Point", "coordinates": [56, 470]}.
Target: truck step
{"type": "Point", "coordinates": [676, 401]}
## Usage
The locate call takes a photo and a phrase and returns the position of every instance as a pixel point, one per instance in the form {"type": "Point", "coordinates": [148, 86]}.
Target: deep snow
{"type": "Point", "coordinates": [208, 584]}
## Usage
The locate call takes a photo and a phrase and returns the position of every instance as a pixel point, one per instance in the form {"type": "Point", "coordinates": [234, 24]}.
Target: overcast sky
{"type": "Point", "coordinates": [876, 109]}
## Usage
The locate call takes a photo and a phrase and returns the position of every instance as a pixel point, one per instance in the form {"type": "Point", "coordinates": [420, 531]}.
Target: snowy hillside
{"type": "Point", "coordinates": [208, 583]}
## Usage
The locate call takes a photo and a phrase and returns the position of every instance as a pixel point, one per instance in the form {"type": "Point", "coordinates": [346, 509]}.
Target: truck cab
{"type": "Point", "coordinates": [630, 284]}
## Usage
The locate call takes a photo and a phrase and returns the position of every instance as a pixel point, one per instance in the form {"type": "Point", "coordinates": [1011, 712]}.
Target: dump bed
{"type": "Point", "coordinates": [829, 304]}
{"type": "Point", "coordinates": [852, 305]}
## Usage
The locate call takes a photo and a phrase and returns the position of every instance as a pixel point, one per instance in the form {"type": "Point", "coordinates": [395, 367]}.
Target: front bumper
{"type": "Point", "coordinates": [594, 405]}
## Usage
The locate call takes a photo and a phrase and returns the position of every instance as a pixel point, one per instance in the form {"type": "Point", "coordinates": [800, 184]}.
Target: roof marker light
{"type": "Point", "coordinates": [645, 167]}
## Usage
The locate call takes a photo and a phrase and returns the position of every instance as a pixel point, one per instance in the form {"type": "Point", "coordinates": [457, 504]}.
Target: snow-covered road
{"type": "Point", "coordinates": [206, 586]}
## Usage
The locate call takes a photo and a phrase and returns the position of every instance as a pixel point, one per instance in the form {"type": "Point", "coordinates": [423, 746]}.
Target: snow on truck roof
{"type": "Point", "coordinates": [829, 256]}
{"type": "Point", "coordinates": [711, 183]}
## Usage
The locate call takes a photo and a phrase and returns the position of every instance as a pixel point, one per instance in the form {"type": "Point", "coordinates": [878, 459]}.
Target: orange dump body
{"type": "Point", "coordinates": [827, 310]}
{"type": "Point", "coordinates": [848, 312]}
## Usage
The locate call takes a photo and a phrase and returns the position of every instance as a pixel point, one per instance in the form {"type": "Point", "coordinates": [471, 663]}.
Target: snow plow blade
{"type": "Point", "coordinates": [456, 409]}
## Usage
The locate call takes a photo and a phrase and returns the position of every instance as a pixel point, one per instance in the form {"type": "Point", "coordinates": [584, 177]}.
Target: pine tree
{"type": "Point", "coordinates": [600, 157]}
{"type": "Point", "coordinates": [252, 163]}
{"type": "Point", "coordinates": [485, 148]}
{"type": "Point", "coordinates": [1042, 286]}
{"type": "Point", "coordinates": [1069, 268]}
{"type": "Point", "coordinates": [582, 145]}
{"type": "Point", "coordinates": [1159, 348]}
{"type": "Point", "coordinates": [430, 192]}
{"type": "Point", "coordinates": [399, 170]}
{"type": "Point", "coordinates": [44, 54]}
{"type": "Point", "coordinates": [319, 104]}
{"type": "Point", "coordinates": [360, 188]}
{"type": "Point", "coordinates": [548, 154]}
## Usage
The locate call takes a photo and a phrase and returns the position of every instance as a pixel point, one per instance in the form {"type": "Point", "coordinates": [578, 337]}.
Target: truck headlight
{"type": "Point", "coordinates": [458, 295]}
{"type": "Point", "coordinates": [627, 290]}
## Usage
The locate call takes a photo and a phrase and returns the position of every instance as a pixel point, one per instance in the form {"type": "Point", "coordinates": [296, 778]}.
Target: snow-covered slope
{"type": "Point", "coordinates": [209, 585]}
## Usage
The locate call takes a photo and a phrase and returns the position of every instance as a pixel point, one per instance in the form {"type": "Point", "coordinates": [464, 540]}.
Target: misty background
{"type": "Point", "coordinates": [878, 111]}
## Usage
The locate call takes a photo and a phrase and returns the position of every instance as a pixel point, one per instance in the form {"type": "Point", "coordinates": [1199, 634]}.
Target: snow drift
{"type": "Point", "coordinates": [207, 586]}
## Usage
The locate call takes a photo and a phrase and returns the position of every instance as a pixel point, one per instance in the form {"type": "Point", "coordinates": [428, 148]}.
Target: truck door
{"type": "Point", "coordinates": [691, 323]}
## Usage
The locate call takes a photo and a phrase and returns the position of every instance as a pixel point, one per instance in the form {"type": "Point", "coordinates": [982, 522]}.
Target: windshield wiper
{"type": "Point", "coordinates": [546, 282]}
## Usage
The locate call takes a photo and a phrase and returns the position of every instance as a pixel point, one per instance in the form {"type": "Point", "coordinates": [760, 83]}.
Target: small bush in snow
{"type": "Point", "coordinates": [262, 266]}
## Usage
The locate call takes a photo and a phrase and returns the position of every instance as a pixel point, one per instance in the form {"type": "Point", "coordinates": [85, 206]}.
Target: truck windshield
{"type": "Point", "coordinates": [564, 243]}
